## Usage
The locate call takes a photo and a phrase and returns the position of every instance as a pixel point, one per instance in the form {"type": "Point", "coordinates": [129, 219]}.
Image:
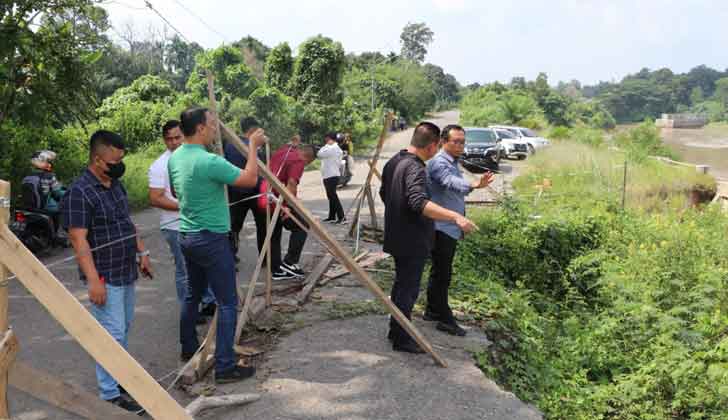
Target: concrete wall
{"type": "Point", "coordinates": [681, 121]}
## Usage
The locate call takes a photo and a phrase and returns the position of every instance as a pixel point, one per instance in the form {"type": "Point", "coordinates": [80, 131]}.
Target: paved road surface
{"type": "Point", "coordinates": [330, 370]}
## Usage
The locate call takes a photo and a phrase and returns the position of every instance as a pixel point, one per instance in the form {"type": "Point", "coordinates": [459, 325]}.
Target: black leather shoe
{"type": "Point", "coordinates": [208, 310]}
{"type": "Point", "coordinates": [451, 328]}
{"type": "Point", "coordinates": [431, 316]}
{"type": "Point", "coordinates": [407, 347]}
{"type": "Point", "coordinates": [128, 404]}
{"type": "Point", "coordinates": [236, 374]}
{"type": "Point", "coordinates": [390, 335]}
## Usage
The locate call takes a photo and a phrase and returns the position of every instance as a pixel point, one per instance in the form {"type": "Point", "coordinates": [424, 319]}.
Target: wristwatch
{"type": "Point", "coordinates": [143, 253]}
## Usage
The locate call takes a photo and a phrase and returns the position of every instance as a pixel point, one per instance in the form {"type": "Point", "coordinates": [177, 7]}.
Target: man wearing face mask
{"type": "Point", "coordinates": [198, 181]}
{"type": "Point", "coordinates": [96, 214]}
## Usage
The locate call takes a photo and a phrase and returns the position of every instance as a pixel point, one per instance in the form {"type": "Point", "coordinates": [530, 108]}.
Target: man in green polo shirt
{"type": "Point", "coordinates": [198, 180]}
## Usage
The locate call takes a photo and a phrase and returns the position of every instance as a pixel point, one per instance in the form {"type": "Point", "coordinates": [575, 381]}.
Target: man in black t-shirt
{"type": "Point", "coordinates": [408, 224]}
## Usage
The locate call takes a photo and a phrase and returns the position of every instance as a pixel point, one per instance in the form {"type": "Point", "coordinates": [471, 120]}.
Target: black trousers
{"type": "Point", "coordinates": [406, 288]}
{"type": "Point", "coordinates": [238, 212]}
{"type": "Point", "coordinates": [443, 253]}
{"type": "Point", "coordinates": [336, 211]}
{"type": "Point", "coordinates": [295, 242]}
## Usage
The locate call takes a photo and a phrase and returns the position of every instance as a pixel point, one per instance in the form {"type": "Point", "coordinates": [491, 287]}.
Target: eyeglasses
{"type": "Point", "coordinates": [458, 142]}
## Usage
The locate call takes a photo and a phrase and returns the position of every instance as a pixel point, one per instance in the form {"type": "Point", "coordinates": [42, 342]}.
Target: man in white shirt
{"type": "Point", "coordinates": [160, 196]}
{"type": "Point", "coordinates": [330, 155]}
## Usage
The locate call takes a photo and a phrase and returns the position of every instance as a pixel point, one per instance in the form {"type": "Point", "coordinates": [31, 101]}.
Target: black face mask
{"type": "Point", "coordinates": [116, 170]}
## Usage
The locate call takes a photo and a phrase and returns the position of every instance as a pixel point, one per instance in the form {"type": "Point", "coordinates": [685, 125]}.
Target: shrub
{"type": "Point", "coordinates": [611, 316]}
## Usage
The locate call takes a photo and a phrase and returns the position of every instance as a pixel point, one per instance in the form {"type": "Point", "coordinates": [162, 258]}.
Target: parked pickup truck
{"type": "Point", "coordinates": [513, 147]}
{"type": "Point", "coordinates": [533, 140]}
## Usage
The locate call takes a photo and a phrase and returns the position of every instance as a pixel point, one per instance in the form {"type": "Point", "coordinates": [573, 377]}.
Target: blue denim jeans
{"type": "Point", "coordinates": [180, 273]}
{"type": "Point", "coordinates": [116, 316]}
{"type": "Point", "coordinates": [210, 262]}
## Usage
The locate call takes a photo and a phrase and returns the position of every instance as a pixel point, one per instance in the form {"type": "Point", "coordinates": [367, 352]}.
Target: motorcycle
{"type": "Point", "coordinates": [346, 174]}
{"type": "Point", "coordinates": [37, 231]}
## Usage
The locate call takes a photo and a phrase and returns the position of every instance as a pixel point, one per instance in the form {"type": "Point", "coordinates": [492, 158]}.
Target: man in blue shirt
{"type": "Point", "coordinates": [448, 189]}
{"type": "Point", "coordinates": [109, 253]}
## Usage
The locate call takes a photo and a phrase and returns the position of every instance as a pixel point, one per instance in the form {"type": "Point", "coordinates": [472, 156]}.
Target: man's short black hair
{"type": "Point", "coordinates": [308, 150]}
{"type": "Point", "coordinates": [190, 118]}
{"type": "Point", "coordinates": [104, 138]}
{"type": "Point", "coordinates": [445, 134]}
{"type": "Point", "coordinates": [331, 135]}
{"type": "Point", "coordinates": [425, 134]}
{"type": "Point", "coordinates": [248, 123]}
{"type": "Point", "coordinates": [168, 126]}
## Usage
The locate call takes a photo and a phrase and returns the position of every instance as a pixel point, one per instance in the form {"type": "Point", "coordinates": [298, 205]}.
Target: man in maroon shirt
{"type": "Point", "coordinates": [288, 163]}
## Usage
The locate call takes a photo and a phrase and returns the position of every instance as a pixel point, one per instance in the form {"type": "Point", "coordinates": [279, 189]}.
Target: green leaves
{"type": "Point", "coordinates": [317, 71]}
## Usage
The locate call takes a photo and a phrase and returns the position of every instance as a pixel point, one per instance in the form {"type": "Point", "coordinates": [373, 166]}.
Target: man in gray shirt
{"type": "Point", "coordinates": [448, 189]}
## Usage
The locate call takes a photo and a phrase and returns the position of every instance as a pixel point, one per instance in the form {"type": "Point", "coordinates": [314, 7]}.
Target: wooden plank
{"type": "Point", "coordinates": [282, 287]}
{"type": "Point", "coordinates": [243, 317]}
{"type": "Point", "coordinates": [69, 312]}
{"type": "Point", "coordinates": [340, 270]}
{"type": "Point", "coordinates": [336, 249]}
{"type": "Point", "coordinates": [370, 260]}
{"type": "Point", "coordinates": [4, 218]}
{"type": "Point", "coordinates": [313, 278]}
{"type": "Point", "coordinates": [64, 395]}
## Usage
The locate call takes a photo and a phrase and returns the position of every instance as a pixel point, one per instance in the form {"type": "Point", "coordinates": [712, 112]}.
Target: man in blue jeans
{"type": "Point", "coordinates": [198, 181]}
{"type": "Point", "coordinates": [160, 196]}
{"type": "Point", "coordinates": [96, 214]}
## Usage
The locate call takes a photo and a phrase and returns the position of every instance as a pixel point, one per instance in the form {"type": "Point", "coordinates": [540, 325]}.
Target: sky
{"type": "Point", "coordinates": [476, 41]}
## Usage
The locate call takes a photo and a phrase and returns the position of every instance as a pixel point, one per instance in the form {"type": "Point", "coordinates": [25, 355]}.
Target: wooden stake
{"type": "Point", "coordinates": [4, 218]}
{"type": "Point", "coordinates": [313, 278]}
{"type": "Point", "coordinates": [376, 171]}
{"type": "Point", "coordinates": [373, 166]}
{"type": "Point", "coordinates": [67, 396]}
{"type": "Point", "coordinates": [372, 208]}
{"type": "Point", "coordinates": [205, 403]}
{"type": "Point", "coordinates": [269, 263]}
{"type": "Point", "coordinates": [243, 317]}
{"type": "Point", "coordinates": [213, 109]}
{"type": "Point", "coordinates": [69, 312]}
{"type": "Point", "coordinates": [336, 248]}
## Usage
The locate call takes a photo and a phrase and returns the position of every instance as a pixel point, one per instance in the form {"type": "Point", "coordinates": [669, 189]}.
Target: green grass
{"type": "Point", "coordinates": [577, 170]}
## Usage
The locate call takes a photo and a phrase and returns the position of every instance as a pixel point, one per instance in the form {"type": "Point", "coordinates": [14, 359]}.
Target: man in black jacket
{"type": "Point", "coordinates": [408, 224]}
